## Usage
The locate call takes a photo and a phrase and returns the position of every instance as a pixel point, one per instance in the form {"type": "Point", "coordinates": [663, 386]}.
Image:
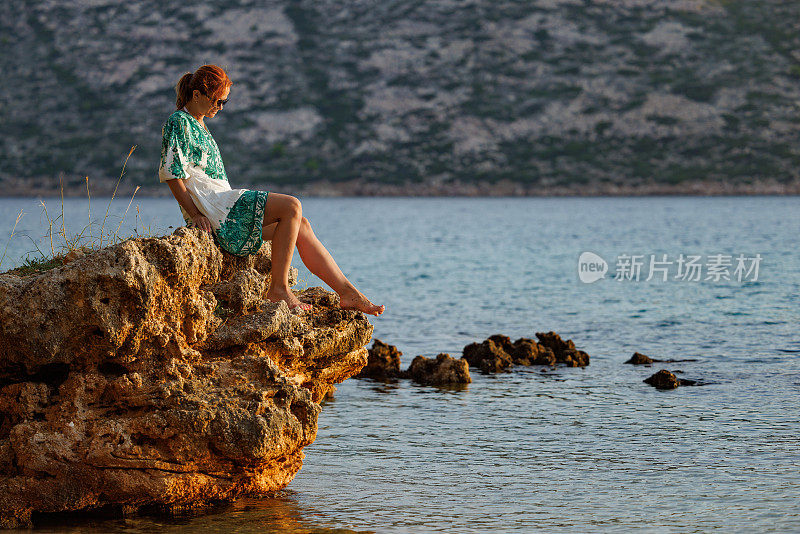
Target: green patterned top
{"type": "Point", "coordinates": [184, 140]}
{"type": "Point", "coordinates": [236, 215]}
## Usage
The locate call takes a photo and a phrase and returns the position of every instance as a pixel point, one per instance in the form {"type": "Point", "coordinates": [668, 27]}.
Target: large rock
{"type": "Point", "coordinates": [125, 382]}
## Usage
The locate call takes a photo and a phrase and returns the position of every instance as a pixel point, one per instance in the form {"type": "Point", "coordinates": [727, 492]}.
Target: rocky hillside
{"type": "Point", "coordinates": [411, 97]}
{"type": "Point", "coordinates": [153, 374]}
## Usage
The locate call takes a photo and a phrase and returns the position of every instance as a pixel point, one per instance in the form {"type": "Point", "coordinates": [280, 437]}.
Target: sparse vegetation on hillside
{"type": "Point", "coordinates": [538, 93]}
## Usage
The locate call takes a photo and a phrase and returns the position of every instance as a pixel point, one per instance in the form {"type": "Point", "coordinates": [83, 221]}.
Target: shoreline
{"type": "Point", "coordinates": [502, 188]}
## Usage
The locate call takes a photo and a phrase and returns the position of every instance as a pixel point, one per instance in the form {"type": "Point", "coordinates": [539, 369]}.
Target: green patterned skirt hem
{"type": "Point", "coordinates": [240, 233]}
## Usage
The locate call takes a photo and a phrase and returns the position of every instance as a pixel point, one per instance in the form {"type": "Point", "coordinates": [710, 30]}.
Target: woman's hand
{"type": "Point", "coordinates": [201, 222]}
{"type": "Point", "coordinates": [181, 194]}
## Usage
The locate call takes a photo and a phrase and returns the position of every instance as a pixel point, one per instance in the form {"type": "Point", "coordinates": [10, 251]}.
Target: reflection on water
{"type": "Point", "coordinates": [280, 514]}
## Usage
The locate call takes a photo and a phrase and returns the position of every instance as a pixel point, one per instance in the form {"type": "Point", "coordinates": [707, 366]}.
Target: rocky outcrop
{"type": "Point", "coordinates": [154, 373]}
{"type": "Point", "coordinates": [443, 370]}
{"type": "Point", "coordinates": [497, 352]}
{"type": "Point", "coordinates": [383, 362]}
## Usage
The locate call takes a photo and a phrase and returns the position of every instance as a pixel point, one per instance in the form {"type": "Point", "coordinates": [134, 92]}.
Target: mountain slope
{"type": "Point", "coordinates": [544, 93]}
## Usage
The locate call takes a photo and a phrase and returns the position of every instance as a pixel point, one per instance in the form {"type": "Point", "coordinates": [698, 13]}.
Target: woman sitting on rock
{"type": "Point", "coordinates": [240, 219]}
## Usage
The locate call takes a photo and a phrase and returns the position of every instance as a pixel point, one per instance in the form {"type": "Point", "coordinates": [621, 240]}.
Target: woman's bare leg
{"type": "Point", "coordinates": [320, 262]}
{"type": "Point", "coordinates": [286, 212]}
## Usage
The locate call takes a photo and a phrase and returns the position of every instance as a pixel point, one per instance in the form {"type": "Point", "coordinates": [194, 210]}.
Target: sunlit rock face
{"type": "Point", "coordinates": [153, 372]}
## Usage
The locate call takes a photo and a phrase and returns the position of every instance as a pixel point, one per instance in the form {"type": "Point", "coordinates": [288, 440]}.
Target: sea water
{"type": "Point", "coordinates": [564, 450]}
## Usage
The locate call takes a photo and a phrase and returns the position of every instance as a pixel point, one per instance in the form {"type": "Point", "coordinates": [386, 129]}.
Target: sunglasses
{"type": "Point", "coordinates": [219, 103]}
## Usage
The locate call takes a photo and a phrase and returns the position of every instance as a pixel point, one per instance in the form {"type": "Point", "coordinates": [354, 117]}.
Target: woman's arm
{"type": "Point", "coordinates": [180, 193]}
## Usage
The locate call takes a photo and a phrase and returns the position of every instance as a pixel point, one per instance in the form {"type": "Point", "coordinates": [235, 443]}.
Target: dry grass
{"type": "Point", "coordinates": [61, 242]}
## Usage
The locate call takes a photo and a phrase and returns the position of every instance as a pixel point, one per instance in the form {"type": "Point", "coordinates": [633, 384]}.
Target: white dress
{"type": "Point", "coordinates": [189, 152]}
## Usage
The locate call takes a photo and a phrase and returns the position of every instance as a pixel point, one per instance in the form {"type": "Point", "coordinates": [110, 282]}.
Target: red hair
{"type": "Point", "coordinates": [210, 80]}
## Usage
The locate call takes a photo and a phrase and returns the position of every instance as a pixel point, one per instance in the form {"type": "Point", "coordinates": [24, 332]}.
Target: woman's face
{"type": "Point", "coordinates": [208, 107]}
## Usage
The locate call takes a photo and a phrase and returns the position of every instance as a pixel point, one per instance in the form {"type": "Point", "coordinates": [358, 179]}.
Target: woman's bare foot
{"type": "Point", "coordinates": [357, 301]}
{"type": "Point", "coordinates": [276, 295]}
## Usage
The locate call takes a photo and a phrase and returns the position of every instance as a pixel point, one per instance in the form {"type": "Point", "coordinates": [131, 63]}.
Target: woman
{"type": "Point", "coordinates": [239, 218]}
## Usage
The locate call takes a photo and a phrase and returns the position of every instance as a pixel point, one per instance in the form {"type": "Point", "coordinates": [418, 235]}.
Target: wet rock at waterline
{"type": "Point", "coordinates": [441, 371]}
{"type": "Point", "coordinates": [565, 351]}
{"type": "Point", "coordinates": [488, 357]}
{"type": "Point", "coordinates": [525, 351]}
{"type": "Point", "coordinates": [383, 362]}
{"type": "Point", "coordinates": [640, 359]}
{"type": "Point", "coordinates": [666, 380]}
{"type": "Point", "coordinates": [153, 373]}
{"type": "Point", "coordinates": [497, 353]}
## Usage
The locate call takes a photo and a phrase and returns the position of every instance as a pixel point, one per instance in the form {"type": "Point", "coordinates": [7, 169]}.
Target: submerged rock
{"type": "Point", "coordinates": [153, 373]}
{"type": "Point", "coordinates": [640, 359]}
{"type": "Point", "coordinates": [383, 362]}
{"type": "Point", "coordinates": [441, 371]}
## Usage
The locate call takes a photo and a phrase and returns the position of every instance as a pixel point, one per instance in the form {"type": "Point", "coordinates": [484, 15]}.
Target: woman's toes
{"type": "Point", "coordinates": [359, 303]}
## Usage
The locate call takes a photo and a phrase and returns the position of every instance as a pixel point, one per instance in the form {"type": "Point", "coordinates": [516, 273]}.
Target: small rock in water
{"type": "Point", "coordinates": [666, 380]}
{"type": "Point", "coordinates": [663, 380]}
{"type": "Point", "coordinates": [564, 351]}
{"type": "Point", "coordinates": [640, 359]}
{"type": "Point", "coordinates": [526, 351]}
{"type": "Point", "coordinates": [497, 352]}
{"type": "Point", "coordinates": [383, 362]}
{"type": "Point", "coordinates": [441, 371]}
{"type": "Point", "coordinates": [504, 342]}
{"type": "Point", "coordinates": [488, 356]}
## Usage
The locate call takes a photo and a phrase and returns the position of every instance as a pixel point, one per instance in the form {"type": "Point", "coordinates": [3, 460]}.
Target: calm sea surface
{"type": "Point", "coordinates": [572, 450]}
